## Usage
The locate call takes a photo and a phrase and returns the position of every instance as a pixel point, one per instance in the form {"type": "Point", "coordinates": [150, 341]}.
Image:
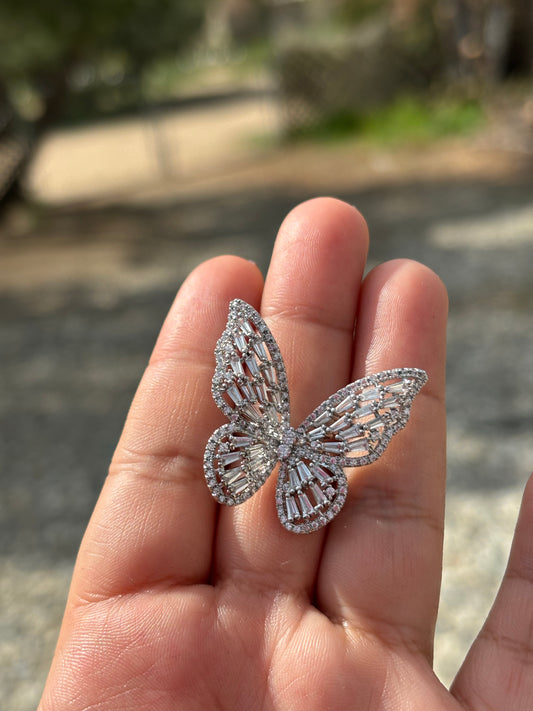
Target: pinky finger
{"type": "Point", "coordinates": [498, 671]}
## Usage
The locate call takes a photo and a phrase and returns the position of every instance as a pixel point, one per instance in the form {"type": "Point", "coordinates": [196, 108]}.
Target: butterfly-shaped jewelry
{"type": "Point", "coordinates": [350, 429]}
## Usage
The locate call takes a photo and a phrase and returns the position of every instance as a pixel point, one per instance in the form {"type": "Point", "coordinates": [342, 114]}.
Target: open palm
{"type": "Point", "coordinates": [179, 604]}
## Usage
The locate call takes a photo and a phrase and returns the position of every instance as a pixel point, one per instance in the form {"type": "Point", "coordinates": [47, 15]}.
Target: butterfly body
{"type": "Point", "coordinates": [351, 428]}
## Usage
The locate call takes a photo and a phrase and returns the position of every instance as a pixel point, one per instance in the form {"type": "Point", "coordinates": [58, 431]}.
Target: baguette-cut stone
{"type": "Point", "coordinates": [240, 488]}
{"type": "Point", "coordinates": [269, 374]}
{"type": "Point", "coordinates": [370, 394]}
{"type": "Point", "coordinates": [240, 342]}
{"type": "Point", "coordinates": [364, 411]}
{"type": "Point", "coordinates": [242, 440]}
{"type": "Point", "coordinates": [317, 433]}
{"type": "Point", "coordinates": [353, 431]}
{"type": "Point", "coordinates": [262, 392]}
{"type": "Point", "coordinates": [235, 395]}
{"type": "Point", "coordinates": [305, 505]}
{"type": "Point", "coordinates": [374, 423]}
{"type": "Point", "coordinates": [252, 366]}
{"type": "Point", "coordinates": [340, 424]}
{"type": "Point", "coordinates": [230, 458]}
{"type": "Point", "coordinates": [396, 387]}
{"type": "Point", "coordinates": [294, 479]}
{"type": "Point", "coordinates": [259, 348]}
{"type": "Point", "coordinates": [345, 404]}
{"type": "Point", "coordinates": [320, 498]}
{"type": "Point", "coordinates": [246, 327]}
{"type": "Point", "coordinates": [360, 445]}
{"type": "Point", "coordinates": [321, 474]}
{"type": "Point", "coordinates": [236, 366]}
{"type": "Point", "coordinates": [322, 418]}
{"type": "Point", "coordinates": [232, 476]}
{"type": "Point", "coordinates": [250, 413]}
{"type": "Point", "coordinates": [248, 391]}
{"type": "Point", "coordinates": [304, 471]}
{"type": "Point", "coordinates": [334, 447]}
{"type": "Point", "coordinates": [291, 508]}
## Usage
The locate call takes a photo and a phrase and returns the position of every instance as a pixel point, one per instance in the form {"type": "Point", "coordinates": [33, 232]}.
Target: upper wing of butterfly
{"type": "Point", "coordinates": [250, 383]}
{"type": "Point", "coordinates": [354, 426]}
{"type": "Point", "coordinates": [250, 387]}
{"type": "Point", "coordinates": [351, 428]}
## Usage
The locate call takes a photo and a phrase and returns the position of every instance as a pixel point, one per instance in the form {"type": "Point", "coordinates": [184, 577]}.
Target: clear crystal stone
{"type": "Point", "coordinates": [344, 405]}
{"type": "Point", "coordinates": [230, 458]}
{"type": "Point", "coordinates": [321, 474]}
{"type": "Point", "coordinates": [252, 366]}
{"type": "Point", "coordinates": [370, 394]}
{"type": "Point", "coordinates": [304, 471]}
{"type": "Point", "coordinates": [317, 433]}
{"type": "Point", "coordinates": [235, 395]}
{"type": "Point", "coordinates": [305, 504]}
{"type": "Point", "coordinates": [259, 348]}
{"type": "Point", "coordinates": [236, 366]}
{"type": "Point", "coordinates": [241, 440]}
{"type": "Point", "coordinates": [318, 494]}
{"type": "Point", "coordinates": [333, 447]}
{"type": "Point", "coordinates": [240, 342]}
{"type": "Point", "coordinates": [291, 508]}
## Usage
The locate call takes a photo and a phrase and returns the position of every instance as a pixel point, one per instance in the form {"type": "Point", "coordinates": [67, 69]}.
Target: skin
{"type": "Point", "coordinates": [177, 603]}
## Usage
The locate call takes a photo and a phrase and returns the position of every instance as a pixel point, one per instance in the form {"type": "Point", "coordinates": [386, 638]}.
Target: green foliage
{"type": "Point", "coordinates": [355, 11]}
{"type": "Point", "coordinates": [410, 119]}
{"type": "Point", "coordinates": [34, 34]}
{"type": "Point", "coordinates": [44, 42]}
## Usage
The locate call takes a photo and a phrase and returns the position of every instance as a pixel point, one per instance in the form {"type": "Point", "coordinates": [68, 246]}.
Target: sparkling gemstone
{"type": "Point", "coordinates": [235, 395]}
{"type": "Point", "coordinates": [370, 394]}
{"type": "Point", "coordinates": [270, 374]}
{"type": "Point", "coordinates": [321, 474]}
{"type": "Point", "coordinates": [291, 508]}
{"type": "Point", "coordinates": [240, 342]}
{"type": "Point", "coordinates": [334, 447]}
{"type": "Point", "coordinates": [318, 494]}
{"type": "Point", "coordinates": [294, 479]}
{"type": "Point", "coordinates": [322, 418]}
{"type": "Point", "coordinates": [317, 433]}
{"type": "Point", "coordinates": [304, 472]}
{"type": "Point", "coordinates": [305, 504]}
{"type": "Point", "coordinates": [230, 458]}
{"type": "Point", "coordinates": [344, 405]}
{"type": "Point", "coordinates": [339, 425]}
{"type": "Point", "coordinates": [252, 366]}
{"type": "Point", "coordinates": [353, 431]}
{"type": "Point", "coordinates": [246, 327]}
{"type": "Point", "coordinates": [241, 440]}
{"type": "Point", "coordinates": [259, 348]}
{"type": "Point", "coordinates": [250, 413]}
{"type": "Point", "coordinates": [236, 366]}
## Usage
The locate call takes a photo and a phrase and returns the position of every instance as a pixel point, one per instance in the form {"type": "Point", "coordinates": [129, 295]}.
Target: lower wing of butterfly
{"type": "Point", "coordinates": [236, 464]}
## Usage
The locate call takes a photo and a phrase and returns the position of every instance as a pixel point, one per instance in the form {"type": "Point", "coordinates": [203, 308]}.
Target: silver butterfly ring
{"type": "Point", "coordinates": [350, 429]}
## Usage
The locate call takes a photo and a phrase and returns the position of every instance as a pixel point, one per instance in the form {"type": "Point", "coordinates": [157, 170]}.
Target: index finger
{"type": "Point", "coordinates": [155, 517]}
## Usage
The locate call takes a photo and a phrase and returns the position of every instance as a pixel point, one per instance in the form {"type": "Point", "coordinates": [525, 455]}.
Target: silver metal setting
{"type": "Point", "coordinates": [350, 429]}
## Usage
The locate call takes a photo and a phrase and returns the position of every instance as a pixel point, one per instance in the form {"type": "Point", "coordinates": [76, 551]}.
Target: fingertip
{"type": "Point", "coordinates": [339, 217]}
{"type": "Point", "coordinates": [205, 294]}
{"type": "Point", "coordinates": [402, 320]}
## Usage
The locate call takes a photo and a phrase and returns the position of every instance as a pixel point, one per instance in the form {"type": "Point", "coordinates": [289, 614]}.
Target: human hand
{"type": "Point", "coordinates": [177, 603]}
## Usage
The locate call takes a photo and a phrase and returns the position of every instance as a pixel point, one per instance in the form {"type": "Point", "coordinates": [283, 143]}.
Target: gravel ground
{"type": "Point", "coordinates": [83, 291]}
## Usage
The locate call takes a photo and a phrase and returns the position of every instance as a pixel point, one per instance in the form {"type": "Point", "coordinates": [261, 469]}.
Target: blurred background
{"type": "Point", "coordinates": [139, 137]}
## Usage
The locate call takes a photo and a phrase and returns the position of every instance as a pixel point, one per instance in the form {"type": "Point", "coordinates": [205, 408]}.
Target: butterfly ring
{"type": "Point", "coordinates": [350, 429]}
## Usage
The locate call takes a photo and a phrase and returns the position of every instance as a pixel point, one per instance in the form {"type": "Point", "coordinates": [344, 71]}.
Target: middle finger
{"type": "Point", "coordinates": [309, 303]}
